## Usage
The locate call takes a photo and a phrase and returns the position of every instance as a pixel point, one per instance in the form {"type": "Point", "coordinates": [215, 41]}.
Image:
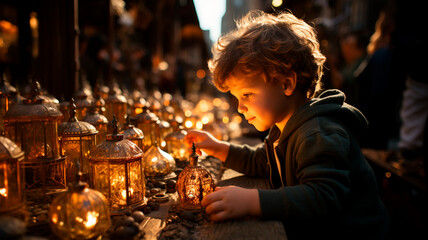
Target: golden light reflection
{"type": "Point", "coordinates": [91, 219]}
{"type": "Point", "coordinates": [54, 218]}
{"type": "Point", "coordinates": [3, 192]}
{"type": "Point", "coordinates": [188, 124]}
{"type": "Point", "coordinates": [199, 125]}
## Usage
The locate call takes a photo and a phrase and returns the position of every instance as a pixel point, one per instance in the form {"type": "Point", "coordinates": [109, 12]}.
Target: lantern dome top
{"type": "Point", "coordinates": [115, 151]}
{"type": "Point", "coordinates": [9, 150]}
{"type": "Point", "coordinates": [146, 116]}
{"type": "Point", "coordinates": [33, 108]}
{"type": "Point", "coordinates": [75, 127]}
{"type": "Point", "coordinates": [5, 87]}
{"type": "Point", "coordinates": [131, 132]}
{"type": "Point", "coordinates": [94, 118]}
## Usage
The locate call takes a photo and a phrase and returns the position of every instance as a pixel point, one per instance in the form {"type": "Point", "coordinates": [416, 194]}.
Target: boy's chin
{"type": "Point", "coordinates": [261, 128]}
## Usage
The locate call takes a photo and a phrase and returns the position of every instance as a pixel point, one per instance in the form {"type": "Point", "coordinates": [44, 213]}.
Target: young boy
{"type": "Point", "coordinates": [322, 185]}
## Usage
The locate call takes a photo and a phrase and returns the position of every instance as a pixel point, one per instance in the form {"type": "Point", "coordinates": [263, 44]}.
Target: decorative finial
{"type": "Point", "coordinates": [194, 156]}
{"type": "Point", "coordinates": [193, 148]}
{"type": "Point", "coordinates": [114, 124]}
{"type": "Point", "coordinates": [72, 111]}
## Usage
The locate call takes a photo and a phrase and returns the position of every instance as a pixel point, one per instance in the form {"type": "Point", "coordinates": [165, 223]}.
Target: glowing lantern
{"type": "Point", "coordinates": [33, 125]}
{"type": "Point", "coordinates": [117, 105]}
{"type": "Point", "coordinates": [99, 121]}
{"type": "Point", "coordinates": [158, 163]}
{"type": "Point", "coordinates": [6, 90]}
{"type": "Point", "coordinates": [133, 134]}
{"type": "Point", "coordinates": [193, 184]}
{"type": "Point", "coordinates": [79, 213]}
{"type": "Point", "coordinates": [11, 179]}
{"type": "Point", "coordinates": [147, 122]}
{"type": "Point", "coordinates": [175, 144]}
{"type": "Point", "coordinates": [117, 172]}
{"type": "Point", "coordinates": [76, 140]}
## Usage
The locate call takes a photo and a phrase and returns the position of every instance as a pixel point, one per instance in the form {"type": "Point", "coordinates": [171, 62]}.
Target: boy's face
{"type": "Point", "coordinates": [262, 104]}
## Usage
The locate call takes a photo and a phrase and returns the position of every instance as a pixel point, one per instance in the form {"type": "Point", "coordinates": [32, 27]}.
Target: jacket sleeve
{"type": "Point", "coordinates": [321, 167]}
{"type": "Point", "coordinates": [251, 161]}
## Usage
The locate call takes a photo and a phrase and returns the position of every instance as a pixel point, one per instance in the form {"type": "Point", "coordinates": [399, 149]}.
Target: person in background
{"type": "Point", "coordinates": [322, 186]}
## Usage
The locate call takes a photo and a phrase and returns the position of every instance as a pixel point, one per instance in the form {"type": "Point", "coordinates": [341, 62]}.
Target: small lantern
{"type": "Point", "coordinates": [176, 145]}
{"type": "Point", "coordinates": [163, 129]}
{"type": "Point", "coordinates": [147, 122]}
{"type": "Point", "coordinates": [116, 104]}
{"type": "Point", "coordinates": [117, 172]}
{"type": "Point", "coordinates": [33, 125]}
{"type": "Point", "coordinates": [11, 179]}
{"type": "Point", "coordinates": [6, 90]}
{"type": "Point", "coordinates": [193, 184]}
{"type": "Point", "coordinates": [133, 134]}
{"type": "Point", "coordinates": [99, 121]}
{"type": "Point", "coordinates": [158, 163]}
{"type": "Point", "coordinates": [79, 213]}
{"type": "Point", "coordinates": [76, 141]}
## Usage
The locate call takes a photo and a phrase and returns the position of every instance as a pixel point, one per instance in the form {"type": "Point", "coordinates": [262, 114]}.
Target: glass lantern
{"type": "Point", "coordinates": [117, 105]}
{"type": "Point", "coordinates": [11, 179]}
{"type": "Point", "coordinates": [193, 184]}
{"type": "Point", "coordinates": [158, 163]}
{"type": "Point", "coordinates": [76, 141]}
{"type": "Point", "coordinates": [79, 213]}
{"type": "Point", "coordinates": [175, 144]}
{"type": "Point", "coordinates": [99, 121]}
{"type": "Point", "coordinates": [147, 122]}
{"type": "Point", "coordinates": [117, 171]}
{"type": "Point", "coordinates": [133, 134]}
{"type": "Point", "coordinates": [6, 90]}
{"type": "Point", "coordinates": [33, 125]}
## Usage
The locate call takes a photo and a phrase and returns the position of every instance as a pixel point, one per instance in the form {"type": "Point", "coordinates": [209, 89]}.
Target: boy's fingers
{"type": "Point", "coordinates": [214, 207]}
{"type": "Point", "coordinates": [219, 216]}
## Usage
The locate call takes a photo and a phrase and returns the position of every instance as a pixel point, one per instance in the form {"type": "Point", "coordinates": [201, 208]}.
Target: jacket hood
{"type": "Point", "coordinates": [330, 103]}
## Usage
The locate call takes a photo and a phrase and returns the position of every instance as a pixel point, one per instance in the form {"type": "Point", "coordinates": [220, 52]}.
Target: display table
{"type": "Point", "coordinates": [244, 228]}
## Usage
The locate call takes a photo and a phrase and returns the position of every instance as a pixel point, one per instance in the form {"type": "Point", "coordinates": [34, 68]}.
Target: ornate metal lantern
{"type": "Point", "coordinates": [133, 134]}
{"type": "Point", "coordinates": [193, 184]}
{"type": "Point", "coordinates": [147, 122]}
{"type": "Point", "coordinates": [77, 138]}
{"type": "Point", "coordinates": [99, 121]}
{"type": "Point", "coordinates": [117, 172]}
{"type": "Point", "coordinates": [158, 163]}
{"type": "Point", "coordinates": [11, 179]}
{"type": "Point", "coordinates": [79, 213]}
{"type": "Point", "coordinates": [175, 144]}
{"type": "Point", "coordinates": [5, 93]}
{"type": "Point", "coordinates": [33, 125]}
{"type": "Point", "coordinates": [117, 105]}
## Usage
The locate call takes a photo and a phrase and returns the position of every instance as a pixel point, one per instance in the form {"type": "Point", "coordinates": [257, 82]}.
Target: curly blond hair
{"type": "Point", "coordinates": [273, 45]}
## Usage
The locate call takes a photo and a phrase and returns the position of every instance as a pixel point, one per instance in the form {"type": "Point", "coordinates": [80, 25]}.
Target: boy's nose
{"type": "Point", "coordinates": [241, 108]}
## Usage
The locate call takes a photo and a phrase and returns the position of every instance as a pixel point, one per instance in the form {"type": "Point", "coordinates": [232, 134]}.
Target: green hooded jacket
{"type": "Point", "coordinates": [328, 189]}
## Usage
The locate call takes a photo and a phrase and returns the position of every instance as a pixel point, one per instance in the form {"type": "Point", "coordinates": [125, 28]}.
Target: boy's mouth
{"type": "Point", "coordinates": [250, 119]}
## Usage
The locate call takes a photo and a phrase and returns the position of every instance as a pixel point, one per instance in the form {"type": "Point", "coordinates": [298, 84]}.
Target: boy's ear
{"type": "Point", "coordinates": [289, 84]}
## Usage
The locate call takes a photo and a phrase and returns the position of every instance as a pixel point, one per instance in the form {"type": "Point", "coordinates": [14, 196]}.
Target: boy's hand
{"type": "Point", "coordinates": [232, 202]}
{"type": "Point", "coordinates": [208, 143]}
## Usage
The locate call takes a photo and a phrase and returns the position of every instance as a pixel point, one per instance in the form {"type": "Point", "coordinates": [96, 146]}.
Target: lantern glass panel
{"type": "Point", "coordinates": [9, 191]}
{"type": "Point", "coordinates": [77, 149]}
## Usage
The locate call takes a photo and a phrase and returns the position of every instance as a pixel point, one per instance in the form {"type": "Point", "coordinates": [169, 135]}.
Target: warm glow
{"type": "Point", "coordinates": [217, 102]}
{"type": "Point", "coordinates": [237, 119]}
{"type": "Point", "coordinates": [91, 219]}
{"type": "Point", "coordinates": [163, 66]}
{"type": "Point", "coordinates": [225, 119]}
{"type": "Point", "coordinates": [54, 218]}
{"type": "Point", "coordinates": [138, 111]}
{"type": "Point", "coordinates": [131, 191]}
{"type": "Point", "coordinates": [199, 125]}
{"type": "Point", "coordinates": [154, 159]}
{"type": "Point", "coordinates": [203, 105]}
{"type": "Point", "coordinates": [3, 192]}
{"type": "Point", "coordinates": [205, 119]}
{"type": "Point", "coordinates": [188, 124]}
{"type": "Point", "coordinates": [187, 113]}
{"type": "Point", "coordinates": [276, 3]}
{"type": "Point", "coordinates": [200, 73]}
{"type": "Point", "coordinates": [163, 144]}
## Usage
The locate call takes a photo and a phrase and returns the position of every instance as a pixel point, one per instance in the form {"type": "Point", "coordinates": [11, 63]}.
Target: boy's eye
{"type": "Point", "coordinates": [247, 95]}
